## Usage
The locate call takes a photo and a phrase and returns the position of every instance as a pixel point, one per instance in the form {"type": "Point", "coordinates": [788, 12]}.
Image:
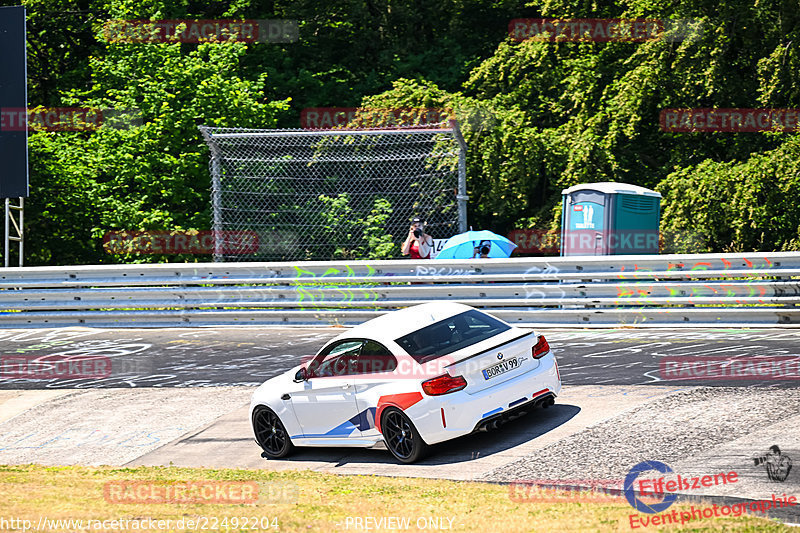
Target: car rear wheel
{"type": "Point", "coordinates": [402, 438]}
{"type": "Point", "coordinates": [271, 434]}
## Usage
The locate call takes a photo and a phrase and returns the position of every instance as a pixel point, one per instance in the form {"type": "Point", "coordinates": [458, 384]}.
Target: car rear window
{"type": "Point", "coordinates": [450, 335]}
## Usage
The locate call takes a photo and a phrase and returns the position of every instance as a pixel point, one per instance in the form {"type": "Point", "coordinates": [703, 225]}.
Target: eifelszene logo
{"type": "Point", "coordinates": [630, 494]}
{"type": "Point", "coordinates": [666, 485]}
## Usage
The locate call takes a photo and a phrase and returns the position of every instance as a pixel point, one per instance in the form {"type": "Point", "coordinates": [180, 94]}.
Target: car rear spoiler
{"type": "Point", "coordinates": [515, 339]}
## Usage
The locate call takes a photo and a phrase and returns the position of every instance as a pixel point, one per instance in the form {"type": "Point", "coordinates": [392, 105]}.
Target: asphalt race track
{"type": "Point", "coordinates": [200, 357]}
{"type": "Point", "coordinates": [181, 396]}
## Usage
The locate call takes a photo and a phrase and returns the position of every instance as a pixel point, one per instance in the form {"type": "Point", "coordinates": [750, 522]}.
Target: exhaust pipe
{"type": "Point", "coordinates": [515, 416]}
{"type": "Point", "coordinates": [545, 402]}
{"type": "Point", "coordinates": [490, 425]}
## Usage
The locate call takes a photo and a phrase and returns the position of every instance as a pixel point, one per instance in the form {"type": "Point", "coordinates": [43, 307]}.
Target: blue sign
{"type": "Point", "coordinates": [586, 215]}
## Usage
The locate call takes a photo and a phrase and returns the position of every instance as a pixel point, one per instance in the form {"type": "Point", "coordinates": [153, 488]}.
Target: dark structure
{"type": "Point", "coordinates": [13, 104]}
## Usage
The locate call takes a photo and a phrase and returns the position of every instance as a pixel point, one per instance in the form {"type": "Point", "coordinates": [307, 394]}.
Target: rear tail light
{"type": "Point", "coordinates": [541, 348]}
{"type": "Point", "coordinates": [444, 384]}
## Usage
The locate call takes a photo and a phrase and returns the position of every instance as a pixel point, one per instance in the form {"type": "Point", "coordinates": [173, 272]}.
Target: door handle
{"type": "Point", "coordinates": [346, 386]}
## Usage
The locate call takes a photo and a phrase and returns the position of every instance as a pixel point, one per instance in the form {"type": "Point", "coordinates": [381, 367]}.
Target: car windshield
{"type": "Point", "coordinates": [450, 335]}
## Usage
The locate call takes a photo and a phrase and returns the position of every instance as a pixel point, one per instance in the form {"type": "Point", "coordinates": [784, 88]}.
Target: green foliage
{"type": "Point", "coordinates": [150, 173]}
{"type": "Point", "coordinates": [537, 116]}
{"type": "Point", "coordinates": [339, 224]}
{"type": "Point", "coordinates": [342, 224]}
{"type": "Point", "coordinates": [155, 176]}
{"type": "Point", "coordinates": [575, 112]}
{"type": "Point", "coordinates": [379, 244]}
{"type": "Point", "coordinates": [735, 207]}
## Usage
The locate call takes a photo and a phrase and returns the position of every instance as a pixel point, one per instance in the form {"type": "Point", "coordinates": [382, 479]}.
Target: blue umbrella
{"type": "Point", "coordinates": [463, 245]}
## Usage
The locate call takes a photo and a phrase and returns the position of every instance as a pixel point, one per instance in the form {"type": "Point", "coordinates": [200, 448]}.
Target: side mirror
{"type": "Point", "coordinates": [301, 375]}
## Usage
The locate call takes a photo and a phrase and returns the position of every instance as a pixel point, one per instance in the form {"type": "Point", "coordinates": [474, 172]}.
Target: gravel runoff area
{"type": "Point", "coordinates": [673, 430]}
{"type": "Point", "coordinates": [111, 426]}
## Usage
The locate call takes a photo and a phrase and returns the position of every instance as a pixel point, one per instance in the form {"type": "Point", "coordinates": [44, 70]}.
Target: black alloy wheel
{"type": "Point", "coordinates": [270, 433]}
{"type": "Point", "coordinates": [402, 438]}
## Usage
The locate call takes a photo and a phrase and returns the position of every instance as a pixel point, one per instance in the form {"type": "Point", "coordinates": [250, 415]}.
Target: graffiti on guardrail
{"type": "Point", "coordinates": [313, 291]}
{"type": "Point", "coordinates": [337, 286]}
{"type": "Point", "coordinates": [533, 289]}
{"type": "Point", "coordinates": [751, 291]}
{"type": "Point", "coordinates": [744, 264]}
{"type": "Point", "coordinates": [684, 337]}
{"type": "Point", "coordinates": [745, 292]}
{"type": "Point", "coordinates": [425, 270]}
{"type": "Point", "coordinates": [604, 290]}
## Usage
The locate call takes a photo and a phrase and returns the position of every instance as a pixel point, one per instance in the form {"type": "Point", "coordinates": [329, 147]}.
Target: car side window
{"type": "Point", "coordinates": [340, 359]}
{"type": "Point", "coordinates": [375, 358]}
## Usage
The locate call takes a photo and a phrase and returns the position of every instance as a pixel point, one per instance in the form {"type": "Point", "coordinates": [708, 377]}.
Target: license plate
{"type": "Point", "coordinates": [500, 368]}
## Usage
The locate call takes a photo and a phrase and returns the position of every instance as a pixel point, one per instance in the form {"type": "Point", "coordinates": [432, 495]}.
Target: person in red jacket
{"type": "Point", "coordinates": [418, 244]}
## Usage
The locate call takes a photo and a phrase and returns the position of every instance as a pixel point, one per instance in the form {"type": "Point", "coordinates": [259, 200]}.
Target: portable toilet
{"type": "Point", "coordinates": [610, 218]}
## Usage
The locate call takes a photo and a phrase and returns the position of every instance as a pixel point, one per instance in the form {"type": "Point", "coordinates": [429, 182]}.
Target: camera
{"type": "Point", "coordinates": [417, 233]}
{"type": "Point", "coordinates": [774, 450]}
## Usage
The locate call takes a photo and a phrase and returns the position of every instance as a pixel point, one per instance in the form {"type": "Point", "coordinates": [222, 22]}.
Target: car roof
{"type": "Point", "coordinates": [396, 324]}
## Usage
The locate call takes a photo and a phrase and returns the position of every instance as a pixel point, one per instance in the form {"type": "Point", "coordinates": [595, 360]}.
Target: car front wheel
{"type": "Point", "coordinates": [402, 438]}
{"type": "Point", "coordinates": [271, 435]}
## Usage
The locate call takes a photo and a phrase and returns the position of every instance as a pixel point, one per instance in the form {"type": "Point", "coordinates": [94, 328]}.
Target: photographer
{"type": "Point", "coordinates": [418, 243]}
{"type": "Point", "coordinates": [777, 464]}
{"type": "Point", "coordinates": [482, 250]}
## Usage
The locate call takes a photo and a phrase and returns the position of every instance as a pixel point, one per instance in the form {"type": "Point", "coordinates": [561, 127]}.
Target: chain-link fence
{"type": "Point", "coordinates": [334, 194]}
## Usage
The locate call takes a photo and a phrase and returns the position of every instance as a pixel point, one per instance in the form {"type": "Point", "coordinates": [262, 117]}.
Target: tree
{"type": "Point", "coordinates": [146, 168]}
{"type": "Point", "coordinates": [577, 112]}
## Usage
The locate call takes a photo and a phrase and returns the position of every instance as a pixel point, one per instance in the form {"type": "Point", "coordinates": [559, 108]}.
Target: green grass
{"type": "Point", "coordinates": [316, 502]}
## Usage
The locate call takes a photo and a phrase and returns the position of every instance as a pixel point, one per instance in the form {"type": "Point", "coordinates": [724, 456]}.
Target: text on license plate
{"type": "Point", "coordinates": [500, 368]}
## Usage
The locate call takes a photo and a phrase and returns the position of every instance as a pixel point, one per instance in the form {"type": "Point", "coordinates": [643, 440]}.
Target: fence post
{"type": "Point", "coordinates": [462, 196]}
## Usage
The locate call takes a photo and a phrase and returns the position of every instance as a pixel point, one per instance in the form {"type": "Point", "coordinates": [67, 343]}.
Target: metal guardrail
{"type": "Point", "coordinates": [687, 290]}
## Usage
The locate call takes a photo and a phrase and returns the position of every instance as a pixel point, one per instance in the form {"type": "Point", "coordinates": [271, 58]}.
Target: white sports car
{"type": "Point", "coordinates": [406, 380]}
